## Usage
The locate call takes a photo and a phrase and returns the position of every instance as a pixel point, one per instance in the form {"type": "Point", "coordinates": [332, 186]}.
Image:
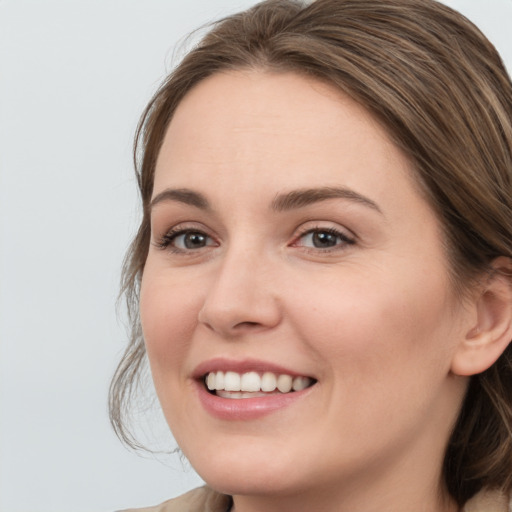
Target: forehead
{"type": "Point", "coordinates": [275, 131]}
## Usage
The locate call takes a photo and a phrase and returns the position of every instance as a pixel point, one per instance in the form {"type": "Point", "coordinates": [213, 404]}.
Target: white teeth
{"type": "Point", "coordinates": [210, 381]}
{"type": "Point", "coordinates": [232, 381]}
{"type": "Point", "coordinates": [219, 380]}
{"type": "Point", "coordinates": [284, 383]}
{"type": "Point", "coordinates": [300, 383]}
{"type": "Point", "coordinates": [268, 382]}
{"type": "Point", "coordinates": [252, 382]}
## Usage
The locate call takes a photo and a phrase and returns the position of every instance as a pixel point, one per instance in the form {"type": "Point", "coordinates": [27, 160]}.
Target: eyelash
{"type": "Point", "coordinates": [168, 239]}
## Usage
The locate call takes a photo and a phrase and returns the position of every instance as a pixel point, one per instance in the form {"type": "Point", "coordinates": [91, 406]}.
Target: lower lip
{"type": "Point", "coordinates": [247, 408]}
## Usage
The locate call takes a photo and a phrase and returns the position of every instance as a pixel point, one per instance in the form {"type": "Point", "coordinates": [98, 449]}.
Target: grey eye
{"type": "Point", "coordinates": [323, 239]}
{"type": "Point", "coordinates": [191, 240]}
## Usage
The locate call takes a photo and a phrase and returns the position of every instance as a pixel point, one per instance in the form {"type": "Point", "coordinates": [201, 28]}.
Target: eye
{"type": "Point", "coordinates": [184, 240]}
{"type": "Point", "coordinates": [323, 238]}
{"type": "Point", "coordinates": [191, 240]}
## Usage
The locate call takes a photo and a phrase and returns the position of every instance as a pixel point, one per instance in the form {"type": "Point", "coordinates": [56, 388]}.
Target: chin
{"type": "Point", "coordinates": [253, 482]}
{"type": "Point", "coordinates": [248, 471]}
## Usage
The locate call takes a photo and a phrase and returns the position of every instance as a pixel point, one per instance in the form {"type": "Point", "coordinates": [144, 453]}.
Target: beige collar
{"type": "Point", "coordinates": [488, 501]}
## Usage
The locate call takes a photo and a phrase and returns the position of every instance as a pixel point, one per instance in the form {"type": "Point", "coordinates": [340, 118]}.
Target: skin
{"type": "Point", "coordinates": [375, 320]}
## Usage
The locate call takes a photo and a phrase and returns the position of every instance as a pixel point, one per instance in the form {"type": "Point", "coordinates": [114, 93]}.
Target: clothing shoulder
{"type": "Point", "coordinates": [202, 499]}
{"type": "Point", "coordinates": [489, 501]}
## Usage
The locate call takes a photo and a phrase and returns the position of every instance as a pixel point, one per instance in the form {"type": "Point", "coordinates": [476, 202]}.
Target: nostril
{"type": "Point", "coordinates": [246, 326]}
{"type": "Point", "coordinates": [238, 314]}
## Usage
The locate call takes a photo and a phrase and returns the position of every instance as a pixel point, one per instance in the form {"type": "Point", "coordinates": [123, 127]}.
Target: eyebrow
{"type": "Point", "coordinates": [182, 195]}
{"type": "Point", "coordinates": [304, 197]}
{"type": "Point", "coordinates": [282, 202]}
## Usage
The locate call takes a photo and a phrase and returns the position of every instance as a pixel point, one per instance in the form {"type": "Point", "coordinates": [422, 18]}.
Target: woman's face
{"type": "Point", "coordinates": [290, 239]}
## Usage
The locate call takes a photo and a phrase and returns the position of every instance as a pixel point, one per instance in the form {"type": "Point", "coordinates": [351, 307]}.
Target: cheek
{"type": "Point", "coordinates": [397, 321]}
{"type": "Point", "coordinates": [168, 318]}
{"type": "Point", "coordinates": [385, 353]}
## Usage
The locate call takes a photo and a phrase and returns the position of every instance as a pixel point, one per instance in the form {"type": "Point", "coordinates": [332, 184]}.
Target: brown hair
{"type": "Point", "coordinates": [439, 88]}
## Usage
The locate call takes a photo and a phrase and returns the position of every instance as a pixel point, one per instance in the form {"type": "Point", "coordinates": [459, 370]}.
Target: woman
{"type": "Point", "coordinates": [323, 266]}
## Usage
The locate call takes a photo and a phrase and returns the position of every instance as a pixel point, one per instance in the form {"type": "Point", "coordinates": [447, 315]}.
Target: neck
{"type": "Point", "coordinates": [350, 500]}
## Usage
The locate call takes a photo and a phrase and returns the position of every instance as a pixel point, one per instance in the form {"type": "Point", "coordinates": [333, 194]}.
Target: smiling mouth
{"type": "Point", "coordinates": [253, 384]}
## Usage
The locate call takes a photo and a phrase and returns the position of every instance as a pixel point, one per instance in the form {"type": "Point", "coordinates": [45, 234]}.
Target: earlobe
{"type": "Point", "coordinates": [491, 331]}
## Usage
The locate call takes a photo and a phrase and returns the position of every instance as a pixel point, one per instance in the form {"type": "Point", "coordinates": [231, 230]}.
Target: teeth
{"type": "Point", "coordinates": [268, 382]}
{"type": "Point", "coordinates": [284, 383]}
{"type": "Point", "coordinates": [219, 380]}
{"type": "Point", "coordinates": [232, 382]}
{"type": "Point", "coordinates": [300, 383]}
{"type": "Point", "coordinates": [253, 382]}
{"type": "Point", "coordinates": [250, 382]}
{"type": "Point", "coordinates": [210, 381]}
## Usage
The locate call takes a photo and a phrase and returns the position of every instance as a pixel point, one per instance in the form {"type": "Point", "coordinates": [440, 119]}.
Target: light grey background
{"type": "Point", "coordinates": [74, 77]}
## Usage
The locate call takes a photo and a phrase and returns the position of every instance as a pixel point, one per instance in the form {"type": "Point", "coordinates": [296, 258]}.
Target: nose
{"type": "Point", "coordinates": [241, 296]}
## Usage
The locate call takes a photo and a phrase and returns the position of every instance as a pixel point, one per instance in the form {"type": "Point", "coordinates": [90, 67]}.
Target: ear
{"type": "Point", "coordinates": [491, 329]}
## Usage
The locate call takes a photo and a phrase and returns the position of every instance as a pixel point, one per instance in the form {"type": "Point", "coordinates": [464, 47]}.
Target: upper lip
{"type": "Point", "coordinates": [242, 366]}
